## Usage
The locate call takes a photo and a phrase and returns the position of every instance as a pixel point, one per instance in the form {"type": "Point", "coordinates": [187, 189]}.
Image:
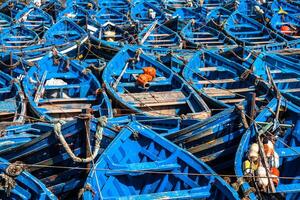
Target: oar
{"type": "Point", "coordinates": [121, 75]}
{"type": "Point", "coordinates": [40, 88]}
{"type": "Point", "coordinates": [262, 153]}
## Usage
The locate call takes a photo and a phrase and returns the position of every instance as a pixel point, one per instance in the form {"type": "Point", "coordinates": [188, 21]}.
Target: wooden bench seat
{"type": "Point", "coordinates": [149, 99]}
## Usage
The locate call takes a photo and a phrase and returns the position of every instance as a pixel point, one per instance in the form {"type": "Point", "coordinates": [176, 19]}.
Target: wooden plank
{"type": "Point", "coordinates": [154, 98]}
{"type": "Point", "coordinates": [292, 90]}
{"type": "Point", "coordinates": [289, 80]}
{"type": "Point", "coordinates": [242, 90]}
{"type": "Point", "coordinates": [276, 71]}
{"type": "Point", "coordinates": [65, 108]}
{"type": "Point", "coordinates": [65, 100]}
{"type": "Point", "coordinates": [216, 92]}
{"type": "Point", "coordinates": [158, 41]}
{"type": "Point", "coordinates": [208, 69]}
{"type": "Point", "coordinates": [19, 42]}
{"type": "Point", "coordinates": [164, 45]}
{"type": "Point", "coordinates": [210, 42]}
{"type": "Point", "coordinates": [230, 101]}
{"type": "Point", "coordinates": [231, 80]}
{"type": "Point", "coordinates": [205, 39]}
{"type": "Point", "coordinates": [263, 42]}
{"type": "Point", "coordinates": [159, 35]}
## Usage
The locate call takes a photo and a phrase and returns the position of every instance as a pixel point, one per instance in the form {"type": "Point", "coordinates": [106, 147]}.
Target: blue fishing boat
{"type": "Point", "coordinates": [18, 135]}
{"type": "Point", "coordinates": [76, 13]}
{"type": "Point", "coordinates": [14, 65]}
{"type": "Point", "coordinates": [175, 24]}
{"type": "Point", "coordinates": [197, 35]}
{"type": "Point", "coordinates": [174, 61]}
{"type": "Point", "coordinates": [67, 150]}
{"type": "Point", "coordinates": [66, 36]}
{"type": "Point", "coordinates": [112, 36]}
{"type": "Point", "coordinates": [19, 184]}
{"type": "Point", "coordinates": [157, 3]}
{"type": "Point", "coordinates": [222, 80]}
{"type": "Point", "coordinates": [12, 7]}
{"type": "Point", "coordinates": [178, 4]}
{"type": "Point", "coordinates": [122, 6]}
{"type": "Point", "coordinates": [289, 56]}
{"type": "Point", "coordinates": [215, 139]}
{"type": "Point", "coordinates": [35, 19]}
{"type": "Point", "coordinates": [217, 17]}
{"type": "Point", "coordinates": [60, 89]}
{"type": "Point", "coordinates": [108, 39]}
{"type": "Point", "coordinates": [187, 14]}
{"type": "Point", "coordinates": [89, 5]}
{"type": "Point", "coordinates": [251, 9]}
{"type": "Point", "coordinates": [241, 55]}
{"type": "Point", "coordinates": [249, 32]}
{"type": "Point", "coordinates": [17, 37]}
{"type": "Point", "coordinates": [283, 76]}
{"type": "Point", "coordinates": [12, 101]}
{"type": "Point", "coordinates": [285, 6]}
{"type": "Point", "coordinates": [53, 8]}
{"type": "Point", "coordinates": [65, 31]}
{"type": "Point", "coordinates": [267, 157]}
{"type": "Point", "coordinates": [110, 15]}
{"type": "Point", "coordinates": [5, 22]}
{"type": "Point", "coordinates": [209, 5]}
{"type": "Point", "coordinates": [157, 35]}
{"type": "Point", "coordinates": [162, 125]}
{"type": "Point", "coordinates": [144, 13]}
{"type": "Point", "coordinates": [150, 170]}
{"type": "Point", "coordinates": [141, 84]}
{"type": "Point", "coordinates": [286, 25]}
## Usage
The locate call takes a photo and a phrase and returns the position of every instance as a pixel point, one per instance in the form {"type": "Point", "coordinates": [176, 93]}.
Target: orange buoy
{"type": "Point", "coordinates": [285, 29]}
{"type": "Point", "coordinates": [269, 149]}
{"type": "Point", "coordinates": [150, 71]}
{"type": "Point", "coordinates": [275, 174]}
{"type": "Point", "coordinates": [144, 79]}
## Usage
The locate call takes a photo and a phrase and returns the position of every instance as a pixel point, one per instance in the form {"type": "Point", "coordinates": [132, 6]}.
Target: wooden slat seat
{"type": "Point", "coordinates": [205, 39]}
{"type": "Point", "coordinates": [294, 90]}
{"type": "Point", "coordinates": [216, 92]}
{"type": "Point", "coordinates": [150, 99]}
{"type": "Point", "coordinates": [65, 100]}
{"type": "Point", "coordinates": [230, 80]}
{"type": "Point", "coordinates": [65, 108]}
{"type": "Point", "coordinates": [289, 80]}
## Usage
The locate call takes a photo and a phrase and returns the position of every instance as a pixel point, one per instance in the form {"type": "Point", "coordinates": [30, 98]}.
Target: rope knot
{"type": "Point", "coordinates": [102, 121]}
{"type": "Point", "coordinates": [7, 180]}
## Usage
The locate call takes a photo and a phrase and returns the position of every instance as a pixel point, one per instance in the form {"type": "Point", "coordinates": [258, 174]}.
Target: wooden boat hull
{"type": "Point", "coordinates": [17, 38]}
{"type": "Point", "coordinates": [47, 150]}
{"type": "Point", "coordinates": [35, 19]}
{"type": "Point", "coordinates": [222, 81]}
{"type": "Point", "coordinates": [12, 101]}
{"type": "Point", "coordinates": [197, 36]}
{"type": "Point", "coordinates": [150, 157]}
{"type": "Point", "coordinates": [285, 146]}
{"type": "Point", "coordinates": [62, 89]}
{"type": "Point", "coordinates": [26, 186]}
{"type": "Point", "coordinates": [248, 32]}
{"type": "Point", "coordinates": [169, 100]}
{"type": "Point", "coordinates": [158, 35]}
{"type": "Point", "coordinates": [285, 75]}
